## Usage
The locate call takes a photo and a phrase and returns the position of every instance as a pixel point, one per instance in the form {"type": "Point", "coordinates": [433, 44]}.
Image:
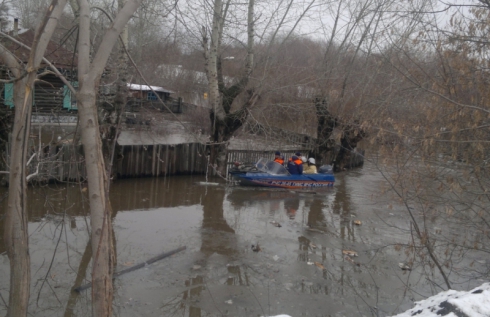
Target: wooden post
{"type": "Point", "coordinates": [167, 163]}
{"type": "Point", "coordinates": [153, 161]}
{"type": "Point", "coordinates": [158, 159]}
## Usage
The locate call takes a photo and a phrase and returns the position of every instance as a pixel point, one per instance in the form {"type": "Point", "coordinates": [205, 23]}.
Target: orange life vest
{"type": "Point", "coordinates": [279, 160]}
{"type": "Point", "coordinates": [298, 162]}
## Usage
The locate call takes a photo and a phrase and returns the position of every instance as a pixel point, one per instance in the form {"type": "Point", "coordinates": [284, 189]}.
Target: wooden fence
{"type": "Point", "coordinates": [160, 160]}
{"type": "Point", "coordinates": [65, 162]}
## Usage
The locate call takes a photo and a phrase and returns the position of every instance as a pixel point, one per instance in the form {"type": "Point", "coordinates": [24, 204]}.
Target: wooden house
{"type": "Point", "coordinates": [144, 96]}
{"type": "Point", "coordinates": [51, 96]}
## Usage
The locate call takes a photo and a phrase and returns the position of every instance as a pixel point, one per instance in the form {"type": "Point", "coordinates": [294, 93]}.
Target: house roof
{"type": "Point", "coordinates": [55, 53]}
{"type": "Point", "coordinates": [148, 88]}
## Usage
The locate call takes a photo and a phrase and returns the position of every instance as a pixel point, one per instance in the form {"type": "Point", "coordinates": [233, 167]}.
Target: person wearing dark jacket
{"type": "Point", "coordinates": [301, 157]}
{"type": "Point", "coordinates": [295, 166]}
{"type": "Point", "coordinates": [279, 158]}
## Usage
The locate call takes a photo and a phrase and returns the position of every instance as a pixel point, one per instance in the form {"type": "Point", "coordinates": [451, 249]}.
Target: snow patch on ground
{"type": "Point", "coordinates": [474, 303]}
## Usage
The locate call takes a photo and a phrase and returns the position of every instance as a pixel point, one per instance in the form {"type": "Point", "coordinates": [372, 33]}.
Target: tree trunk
{"type": "Point", "coordinates": [224, 123]}
{"type": "Point", "coordinates": [325, 146]}
{"type": "Point", "coordinates": [219, 149]}
{"type": "Point", "coordinates": [16, 234]}
{"type": "Point", "coordinates": [100, 208]}
{"type": "Point", "coordinates": [325, 149]}
{"type": "Point", "coordinates": [89, 74]}
{"type": "Point", "coordinates": [351, 136]}
{"type": "Point", "coordinates": [223, 130]}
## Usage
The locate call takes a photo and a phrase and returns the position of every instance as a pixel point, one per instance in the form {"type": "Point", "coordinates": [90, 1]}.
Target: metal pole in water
{"type": "Point", "coordinates": [207, 170]}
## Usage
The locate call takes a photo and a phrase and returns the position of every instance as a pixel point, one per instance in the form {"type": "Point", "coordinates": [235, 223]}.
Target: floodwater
{"type": "Point", "coordinates": [300, 269]}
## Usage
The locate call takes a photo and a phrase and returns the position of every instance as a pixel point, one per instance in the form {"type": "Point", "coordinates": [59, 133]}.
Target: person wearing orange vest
{"type": "Point", "coordinates": [295, 166]}
{"type": "Point", "coordinates": [279, 158]}
{"type": "Point", "coordinates": [301, 157]}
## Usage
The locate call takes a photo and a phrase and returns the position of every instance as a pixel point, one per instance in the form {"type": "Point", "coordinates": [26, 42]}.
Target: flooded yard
{"type": "Point", "coordinates": [249, 251]}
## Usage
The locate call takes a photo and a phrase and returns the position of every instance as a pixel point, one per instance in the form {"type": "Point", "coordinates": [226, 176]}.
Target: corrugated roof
{"type": "Point", "coordinates": [150, 138]}
{"type": "Point", "coordinates": [148, 88]}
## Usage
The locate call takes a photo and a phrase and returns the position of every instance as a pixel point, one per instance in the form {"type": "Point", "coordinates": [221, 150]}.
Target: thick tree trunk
{"type": "Point", "coordinates": [351, 136]}
{"type": "Point", "coordinates": [222, 132]}
{"type": "Point", "coordinates": [224, 123]}
{"type": "Point", "coordinates": [16, 234]}
{"type": "Point", "coordinates": [325, 146]}
{"type": "Point", "coordinates": [89, 74]}
{"type": "Point", "coordinates": [219, 150]}
{"type": "Point", "coordinates": [325, 149]}
{"type": "Point", "coordinates": [100, 208]}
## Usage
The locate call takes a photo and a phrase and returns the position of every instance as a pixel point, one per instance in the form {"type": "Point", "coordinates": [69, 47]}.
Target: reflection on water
{"type": "Point", "coordinates": [300, 270]}
{"type": "Point", "coordinates": [195, 286]}
{"type": "Point", "coordinates": [81, 277]}
{"type": "Point", "coordinates": [216, 234]}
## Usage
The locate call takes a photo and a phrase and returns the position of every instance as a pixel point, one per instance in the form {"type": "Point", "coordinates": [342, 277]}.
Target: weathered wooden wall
{"type": "Point", "coordinates": [65, 162]}
{"type": "Point", "coordinates": [160, 160]}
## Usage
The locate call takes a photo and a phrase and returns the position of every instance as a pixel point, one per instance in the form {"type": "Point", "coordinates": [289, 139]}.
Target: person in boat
{"type": "Point", "coordinates": [279, 158]}
{"type": "Point", "coordinates": [295, 166]}
{"type": "Point", "coordinates": [310, 167]}
{"type": "Point", "coordinates": [301, 157]}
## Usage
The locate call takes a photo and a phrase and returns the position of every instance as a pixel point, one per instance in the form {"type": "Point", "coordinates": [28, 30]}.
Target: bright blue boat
{"type": "Point", "coordinates": [271, 174]}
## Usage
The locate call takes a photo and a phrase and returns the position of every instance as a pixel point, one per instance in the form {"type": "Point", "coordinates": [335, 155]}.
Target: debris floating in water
{"type": "Point", "coordinates": [135, 267]}
{"type": "Point", "coordinates": [208, 183]}
{"type": "Point", "coordinates": [320, 266]}
{"type": "Point", "coordinates": [404, 266]}
{"type": "Point", "coordinates": [348, 258]}
{"type": "Point", "coordinates": [349, 252]}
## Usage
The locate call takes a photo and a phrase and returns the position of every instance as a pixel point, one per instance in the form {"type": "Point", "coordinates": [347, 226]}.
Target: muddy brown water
{"type": "Point", "coordinates": [300, 269]}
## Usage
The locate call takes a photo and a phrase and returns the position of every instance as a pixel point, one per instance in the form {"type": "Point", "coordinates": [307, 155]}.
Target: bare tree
{"type": "Point", "coordinates": [89, 73]}
{"type": "Point", "coordinates": [16, 230]}
{"type": "Point", "coordinates": [16, 235]}
{"type": "Point", "coordinates": [224, 120]}
{"type": "Point", "coordinates": [347, 77]}
{"type": "Point", "coordinates": [434, 141]}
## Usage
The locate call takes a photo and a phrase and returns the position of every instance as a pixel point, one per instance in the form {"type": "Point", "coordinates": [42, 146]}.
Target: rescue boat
{"type": "Point", "coordinates": [267, 173]}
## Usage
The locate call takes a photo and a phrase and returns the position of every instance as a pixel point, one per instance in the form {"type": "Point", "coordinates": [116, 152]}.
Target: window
{"type": "Point", "coordinates": [9, 94]}
{"type": "Point", "coordinates": [151, 96]}
{"type": "Point", "coordinates": [69, 101]}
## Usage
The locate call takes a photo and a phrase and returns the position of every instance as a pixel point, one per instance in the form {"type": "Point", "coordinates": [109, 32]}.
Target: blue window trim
{"type": "Point", "coordinates": [9, 94]}
{"type": "Point", "coordinates": [69, 102]}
